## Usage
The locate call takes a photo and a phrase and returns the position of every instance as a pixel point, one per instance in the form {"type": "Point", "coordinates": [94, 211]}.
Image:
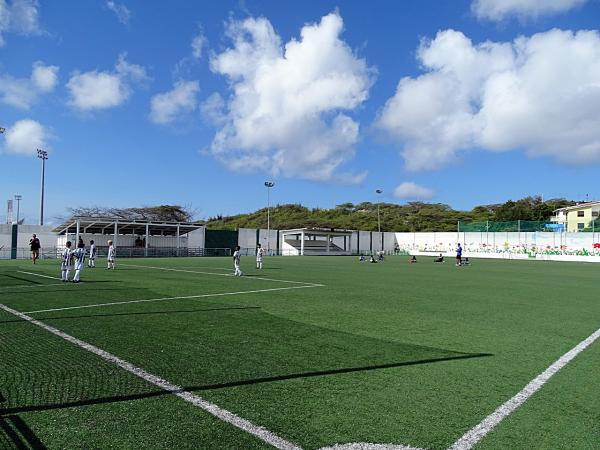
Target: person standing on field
{"type": "Point", "coordinates": [259, 256]}
{"type": "Point", "coordinates": [34, 245]}
{"type": "Point", "coordinates": [458, 255]}
{"type": "Point", "coordinates": [236, 261]}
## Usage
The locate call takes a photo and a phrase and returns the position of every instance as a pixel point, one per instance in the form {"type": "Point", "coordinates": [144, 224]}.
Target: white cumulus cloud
{"type": "Point", "coordinates": [24, 137]}
{"type": "Point", "coordinates": [121, 11]}
{"type": "Point", "coordinates": [540, 94]}
{"type": "Point", "coordinates": [412, 191]}
{"type": "Point", "coordinates": [22, 93]}
{"type": "Point", "coordinates": [287, 110]}
{"type": "Point", "coordinates": [165, 107]}
{"type": "Point", "coordinates": [19, 16]}
{"type": "Point", "coordinates": [498, 10]}
{"type": "Point", "coordinates": [101, 90]}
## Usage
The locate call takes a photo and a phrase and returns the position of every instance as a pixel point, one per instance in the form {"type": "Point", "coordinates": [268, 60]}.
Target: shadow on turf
{"type": "Point", "coordinates": [228, 308]}
{"type": "Point", "coordinates": [16, 432]}
{"type": "Point", "coordinates": [123, 398]}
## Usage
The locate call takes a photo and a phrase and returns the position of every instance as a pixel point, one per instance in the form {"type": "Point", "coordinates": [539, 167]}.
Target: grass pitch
{"type": "Point", "coordinates": [319, 351]}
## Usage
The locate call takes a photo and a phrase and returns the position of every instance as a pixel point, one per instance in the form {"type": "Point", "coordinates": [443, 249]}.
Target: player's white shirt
{"type": "Point", "coordinates": [111, 253]}
{"type": "Point", "coordinates": [93, 251]}
{"type": "Point", "coordinates": [65, 263]}
{"type": "Point", "coordinates": [259, 254]}
{"type": "Point", "coordinates": [79, 255]}
{"type": "Point", "coordinates": [236, 257]}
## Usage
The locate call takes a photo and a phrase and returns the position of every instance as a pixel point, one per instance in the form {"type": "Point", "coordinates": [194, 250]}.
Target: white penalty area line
{"type": "Point", "coordinates": [220, 294]}
{"type": "Point", "coordinates": [260, 432]}
{"type": "Point", "coordinates": [475, 434]}
{"type": "Point", "coordinates": [222, 274]}
{"type": "Point", "coordinates": [38, 275]}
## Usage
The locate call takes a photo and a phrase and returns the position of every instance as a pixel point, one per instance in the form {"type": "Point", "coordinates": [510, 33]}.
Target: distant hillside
{"type": "Point", "coordinates": [413, 216]}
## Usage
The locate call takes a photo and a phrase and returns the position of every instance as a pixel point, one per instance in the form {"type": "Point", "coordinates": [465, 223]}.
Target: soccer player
{"type": "Point", "coordinates": [458, 255]}
{"type": "Point", "coordinates": [111, 255]}
{"type": "Point", "coordinates": [236, 262]}
{"type": "Point", "coordinates": [259, 256]}
{"type": "Point", "coordinates": [79, 255]}
{"type": "Point", "coordinates": [92, 260]}
{"type": "Point", "coordinates": [439, 259]}
{"type": "Point", "coordinates": [65, 265]}
{"type": "Point", "coordinates": [34, 245]}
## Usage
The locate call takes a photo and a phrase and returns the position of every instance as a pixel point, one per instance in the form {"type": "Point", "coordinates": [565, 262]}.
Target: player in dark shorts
{"type": "Point", "coordinates": [34, 245]}
{"type": "Point", "coordinates": [458, 255]}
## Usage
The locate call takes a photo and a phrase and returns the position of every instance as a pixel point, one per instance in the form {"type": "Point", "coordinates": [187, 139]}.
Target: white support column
{"type": "Point", "coordinates": [177, 239]}
{"type": "Point", "coordinates": [77, 232]}
{"type": "Point", "coordinates": [147, 239]}
{"type": "Point", "coordinates": [302, 244]}
{"type": "Point", "coordinates": [328, 237]}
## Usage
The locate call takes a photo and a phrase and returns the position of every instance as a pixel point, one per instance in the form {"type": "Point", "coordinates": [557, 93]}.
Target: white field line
{"type": "Point", "coordinates": [29, 286]}
{"type": "Point", "coordinates": [38, 275]}
{"type": "Point", "coordinates": [222, 274]}
{"type": "Point", "coordinates": [221, 294]}
{"type": "Point", "coordinates": [226, 416]}
{"type": "Point", "coordinates": [475, 434]}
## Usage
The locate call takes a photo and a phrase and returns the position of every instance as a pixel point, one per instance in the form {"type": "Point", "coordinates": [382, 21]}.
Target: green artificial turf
{"type": "Point", "coordinates": [412, 354]}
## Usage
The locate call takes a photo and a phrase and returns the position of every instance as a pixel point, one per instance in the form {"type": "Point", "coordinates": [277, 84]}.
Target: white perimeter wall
{"type": "Point", "coordinates": [498, 241]}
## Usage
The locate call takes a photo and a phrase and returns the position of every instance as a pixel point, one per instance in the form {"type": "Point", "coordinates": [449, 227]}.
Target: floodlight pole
{"type": "Point", "coordinates": [269, 185]}
{"type": "Point", "coordinates": [379, 192]}
{"type": "Point", "coordinates": [18, 199]}
{"type": "Point", "coordinates": [43, 155]}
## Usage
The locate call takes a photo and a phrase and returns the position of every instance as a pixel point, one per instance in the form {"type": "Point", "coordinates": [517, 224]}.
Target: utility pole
{"type": "Point", "coordinates": [43, 155]}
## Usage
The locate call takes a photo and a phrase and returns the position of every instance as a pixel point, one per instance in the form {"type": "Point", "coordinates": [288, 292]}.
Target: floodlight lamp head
{"type": "Point", "coordinates": [269, 184]}
{"type": "Point", "coordinates": [43, 154]}
{"type": "Point", "coordinates": [379, 191]}
{"type": "Point", "coordinates": [18, 197]}
{"type": "Point", "coordinates": [2, 130]}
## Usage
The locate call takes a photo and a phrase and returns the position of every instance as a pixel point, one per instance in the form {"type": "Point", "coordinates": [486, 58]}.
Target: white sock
{"type": "Point", "coordinates": [76, 277]}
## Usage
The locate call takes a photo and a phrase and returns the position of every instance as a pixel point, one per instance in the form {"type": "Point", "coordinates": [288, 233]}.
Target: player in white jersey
{"type": "Point", "coordinates": [236, 262]}
{"type": "Point", "coordinates": [111, 255]}
{"type": "Point", "coordinates": [259, 256]}
{"type": "Point", "coordinates": [92, 258]}
{"type": "Point", "coordinates": [79, 256]}
{"type": "Point", "coordinates": [65, 264]}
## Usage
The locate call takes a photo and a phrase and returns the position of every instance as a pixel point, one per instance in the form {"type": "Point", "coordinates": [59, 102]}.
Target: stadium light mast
{"type": "Point", "coordinates": [43, 155]}
{"type": "Point", "coordinates": [269, 185]}
{"type": "Point", "coordinates": [18, 199]}
{"type": "Point", "coordinates": [379, 192]}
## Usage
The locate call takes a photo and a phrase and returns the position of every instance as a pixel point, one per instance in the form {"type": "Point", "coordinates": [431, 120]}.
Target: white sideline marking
{"type": "Point", "coordinates": [226, 416]}
{"type": "Point", "coordinates": [221, 294]}
{"type": "Point", "coordinates": [38, 275]}
{"type": "Point", "coordinates": [221, 274]}
{"type": "Point", "coordinates": [475, 434]}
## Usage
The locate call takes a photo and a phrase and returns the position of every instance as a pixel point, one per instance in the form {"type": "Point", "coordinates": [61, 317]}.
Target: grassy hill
{"type": "Point", "coordinates": [412, 216]}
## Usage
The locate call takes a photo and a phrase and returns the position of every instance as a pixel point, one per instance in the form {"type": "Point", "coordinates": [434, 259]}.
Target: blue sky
{"type": "Point", "coordinates": [198, 103]}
